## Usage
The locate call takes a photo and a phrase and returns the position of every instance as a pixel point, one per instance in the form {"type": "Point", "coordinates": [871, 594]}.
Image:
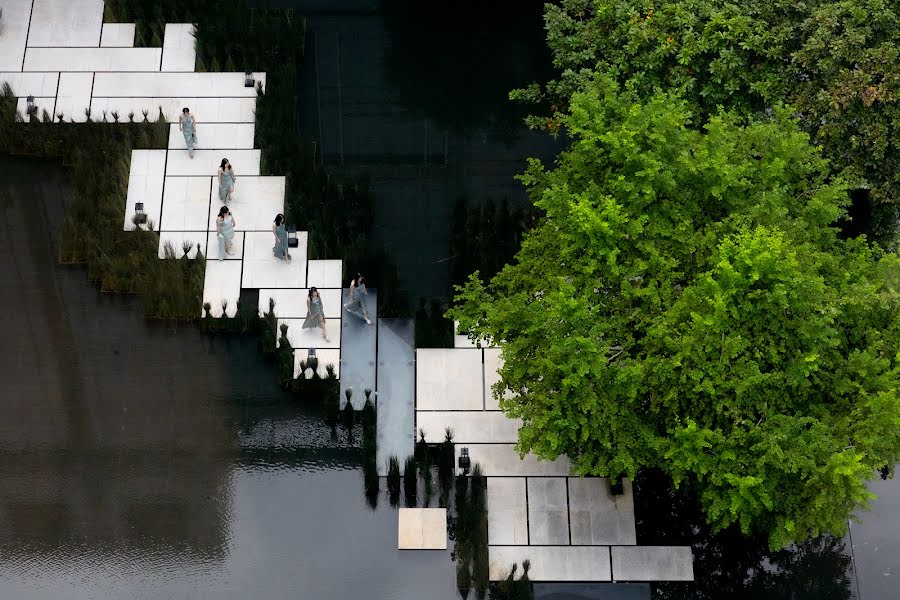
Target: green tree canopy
{"type": "Point", "coordinates": [686, 303]}
{"type": "Point", "coordinates": [835, 62]}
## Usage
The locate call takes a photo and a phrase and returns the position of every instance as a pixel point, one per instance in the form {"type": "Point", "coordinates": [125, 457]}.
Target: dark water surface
{"type": "Point", "coordinates": [149, 460]}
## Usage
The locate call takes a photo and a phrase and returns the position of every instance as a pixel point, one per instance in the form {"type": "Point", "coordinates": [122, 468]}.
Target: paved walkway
{"type": "Point", "coordinates": [77, 67]}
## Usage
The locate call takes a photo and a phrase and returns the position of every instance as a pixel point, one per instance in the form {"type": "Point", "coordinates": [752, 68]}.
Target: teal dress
{"type": "Point", "coordinates": [190, 136]}
{"type": "Point", "coordinates": [226, 185]}
{"type": "Point", "coordinates": [357, 305]}
{"type": "Point", "coordinates": [281, 243]}
{"type": "Point", "coordinates": [225, 235]}
{"type": "Point", "coordinates": [316, 314]}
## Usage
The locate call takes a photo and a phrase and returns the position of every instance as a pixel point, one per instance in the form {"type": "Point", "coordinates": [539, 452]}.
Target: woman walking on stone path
{"type": "Point", "coordinates": [187, 124]}
{"type": "Point", "coordinates": [281, 239]}
{"type": "Point", "coordinates": [358, 294]}
{"type": "Point", "coordinates": [315, 314]}
{"type": "Point", "coordinates": [225, 232]}
{"type": "Point", "coordinates": [226, 181]}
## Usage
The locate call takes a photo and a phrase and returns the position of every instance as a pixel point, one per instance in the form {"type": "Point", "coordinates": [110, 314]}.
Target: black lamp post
{"type": "Point", "coordinates": [464, 462]}
{"type": "Point", "coordinates": [248, 79]}
{"type": "Point", "coordinates": [30, 107]}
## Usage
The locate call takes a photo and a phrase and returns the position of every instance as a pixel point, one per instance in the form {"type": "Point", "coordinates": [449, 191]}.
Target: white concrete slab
{"type": "Point", "coordinates": [551, 563]}
{"type": "Point", "coordinates": [292, 303]}
{"type": "Point", "coordinates": [599, 518]}
{"type": "Point", "coordinates": [145, 184]}
{"type": "Point", "coordinates": [422, 529]}
{"type": "Point", "coordinates": [172, 85]}
{"type": "Point", "coordinates": [507, 511]}
{"type": "Point", "coordinates": [255, 202]}
{"type": "Point", "coordinates": [469, 427]}
{"type": "Point", "coordinates": [206, 162]}
{"type": "Point", "coordinates": [214, 135]}
{"type": "Point", "coordinates": [13, 31]}
{"type": "Point", "coordinates": [312, 337]}
{"type": "Point", "coordinates": [214, 110]}
{"type": "Point", "coordinates": [178, 47]}
{"type": "Point", "coordinates": [39, 85]}
{"type": "Point", "coordinates": [42, 104]}
{"type": "Point", "coordinates": [222, 283]}
{"type": "Point", "coordinates": [652, 563]}
{"type": "Point", "coordinates": [325, 273]}
{"type": "Point", "coordinates": [263, 270]}
{"type": "Point", "coordinates": [502, 460]}
{"type": "Point", "coordinates": [185, 203]}
{"type": "Point", "coordinates": [117, 35]}
{"type": "Point", "coordinates": [212, 246]}
{"type": "Point", "coordinates": [548, 514]}
{"type": "Point", "coordinates": [177, 238]}
{"type": "Point", "coordinates": [449, 379]}
{"type": "Point", "coordinates": [326, 356]}
{"type": "Point", "coordinates": [74, 96]}
{"type": "Point", "coordinates": [492, 362]}
{"type": "Point", "coordinates": [461, 341]}
{"type": "Point", "coordinates": [92, 59]}
{"type": "Point", "coordinates": [65, 23]}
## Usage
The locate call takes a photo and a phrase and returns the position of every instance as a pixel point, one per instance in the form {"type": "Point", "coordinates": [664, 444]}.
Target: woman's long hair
{"type": "Point", "coordinates": [224, 163]}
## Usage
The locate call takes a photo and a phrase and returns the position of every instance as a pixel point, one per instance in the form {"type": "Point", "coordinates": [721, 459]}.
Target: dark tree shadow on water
{"type": "Point", "coordinates": [730, 565]}
{"type": "Point", "coordinates": [456, 62]}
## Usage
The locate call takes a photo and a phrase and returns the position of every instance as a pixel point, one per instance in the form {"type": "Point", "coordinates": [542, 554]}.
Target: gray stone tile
{"type": "Point", "coordinates": [449, 379]}
{"type": "Point", "coordinates": [507, 511]}
{"type": "Point", "coordinates": [602, 519]}
{"type": "Point", "coordinates": [502, 460]}
{"type": "Point", "coordinates": [566, 563]}
{"type": "Point", "coordinates": [652, 563]}
{"type": "Point", "coordinates": [548, 526]}
{"type": "Point", "coordinates": [396, 372]}
{"type": "Point", "coordinates": [358, 351]}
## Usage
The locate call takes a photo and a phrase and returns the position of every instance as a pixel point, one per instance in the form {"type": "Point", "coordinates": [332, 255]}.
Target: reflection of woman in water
{"type": "Point", "coordinates": [358, 293]}
{"type": "Point", "coordinates": [281, 239]}
{"type": "Point", "coordinates": [315, 314]}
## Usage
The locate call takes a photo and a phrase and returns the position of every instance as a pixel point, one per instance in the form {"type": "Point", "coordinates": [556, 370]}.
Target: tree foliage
{"type": "Point", "coordinates": [686, 303]}
{"type": "Point", "coordinates": [835, 62]}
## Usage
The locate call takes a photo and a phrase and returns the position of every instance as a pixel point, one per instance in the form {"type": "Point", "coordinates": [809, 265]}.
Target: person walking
{"type": "Point", "coordinates": [227, 180]}
{"type": "Point", "coordinates": [225, 232]}
{"type": "Point", "coordinates": [358, 295]}
{"type": "Point", "coordinates": [187, 124]}
{"type": "Point", "coordinates": [281, 239]}
{"type": "Point", "coordinates": [315, 313]}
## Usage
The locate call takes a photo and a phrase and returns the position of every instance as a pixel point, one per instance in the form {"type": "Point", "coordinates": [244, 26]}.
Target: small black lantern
{"type": "Point", "coordinates": [140, 217]}
{"type": "Point", "coordinates": [293, 240]}
{"type": "Point", "coordinates": [248, 79]}
{"type": "Point", "coordinates": [30, 106]}
{"type": "Point", "coordinates": [464, 462]}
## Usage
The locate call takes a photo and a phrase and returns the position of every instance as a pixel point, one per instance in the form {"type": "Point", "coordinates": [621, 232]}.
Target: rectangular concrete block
{"type": "Point", "coordinates": [92, 59]}
{"type": "Point", "coordinates": [64, 23]}
{"type": "Point", "coordinates": [597, 517]}
{"type": "Point", "coordinates": [507, 511]}
{"type": "Point", "coordinates": [449, 379]}
{"type": "Point", "coordinates": [178, 53]}
{"type": "Point", "coordinates": [185, 204]}
{"type": "Point", "coordinates": [548, 515]}
{"type": "Point", "coordinates": [263, 270]}
{"type": "Point", "coordinates": [74, 96]}
{"type": "Point", "coordinates": [145, 185]}
{"type": "Point", "coordinates": [172, 85]}
{"type": "Point", "coordinates": [292, 303]}
{"type": "Point", "coordinates": [213, 110]}
{"type": "Point", "coordinates": [652, 563]}
{"type": "Point", "coordinates": [312, 337]}
{"type": "Point", "coordinates": [396, 388]}
{"type": "Point", "coordinates": [222, 283]}
{"type": "Point", "coordinates": [551, 563]}
{"type": "Point", "coordinates": [214, 136]}
{"type": "Point", "coordinates": [16, 16]}
{"type": "Point", "coordinates": [255, 202]}
{"type": "Point", "coordinates": [502, 460]}
{"type": "Point", "coordinates": [117, 35]}
{"type": "Point", "coordinates": [325, 273]}
{"type": "Point", "coordinates": [39, 85]}
{"type": "Point", "coordinates": [422, 529]}
{"type": "Point", "coordinates": [469, 427]}
{"type": "Point", "coordinates": [206, 163]}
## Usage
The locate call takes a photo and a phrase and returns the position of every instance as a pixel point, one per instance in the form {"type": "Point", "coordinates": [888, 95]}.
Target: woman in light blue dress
{"type": "Point", "coordinates": [188, 126]}
{"type": "Point", "coordinates": [281, 239]}
{"type": "Point", "coordinates": [315, 314]}
{"type": "Point", "coordinates": [227, 180]}
{"type": "Point", "coordinates": [358, 293]}
{"type": "Point", "coordinates": [225, 232]}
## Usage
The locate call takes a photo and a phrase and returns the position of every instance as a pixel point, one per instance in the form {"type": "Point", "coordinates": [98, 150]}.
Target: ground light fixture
{"type": "Point", "coordinates": [248, 79]}
{"type": "Point", "coordinates": [293, 241]}
{"type": "Point", "coordinates": [30, 107]}
{"type": "Point", "coordinates": [140, 217]}
{"type": "Point", "coordinates": [465, 463]}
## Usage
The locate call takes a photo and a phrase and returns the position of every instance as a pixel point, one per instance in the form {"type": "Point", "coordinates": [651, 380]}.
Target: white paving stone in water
{"type": "Point", "coordinates": [74, 96]}
{"type": "Point", "coordinates": [548, 514]}
{"type": "Point", "coordinates": [502, 460]}
{"type": "Point", "coordinates": [178, 47]}
{"type": "Point", "coordinates": [507, 511]}
{"type": "Point", "coordinates": [92, 59]}
{"type": "Point", "coordinates": [214, 110]}
{"type": "Point", "coordinates": [597, 517]}
{"type": "Point", "coordinates": [64, 23]}
{"type": "Point", "coordinates": [468, 426]}
{"type": "Point", "coordinates": [326, 357]}
{"type": "Point", "coordinates": [172, 85]}
{"type": "Point", "coordinates": [292, 303]}
{"type": "Point", "coordinates": [263, 270]}
{"type": "Point", "coordinates": [206, 163]}
{"type": "Point", "coordinates": [222, 283]}
{"type": "Point", "coordinates": [551, 563]}
{"type": "Point", "coordinates": [422, 529]}
{"type": "Point", "coordinates": [255, 203]}
{"type": "Point", "coordinates": [212, 245]}
{"type": "Point", "coordinates": [325, 273]}
{"type": "Point", "coordinates": [42, 85]}
{"type": "Point", "coordinates": [312, 337]}
{"type": "Point", "coordinates": [117, 35]}
{"type": "Point", "coordinates": [13, 31]}
{"type": "Point", "coordinates": [185, 204]}
{"type": "Point", "coordinates": [652, 563]}
{"type": "Point", "coordinates": [449, 379]}
{"type": "Point", "coordinates": [177, 238]}
{"type": "Point", "coordinates": [145, 184]}
{"type": "Point", "coordinates": [211, 136]}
